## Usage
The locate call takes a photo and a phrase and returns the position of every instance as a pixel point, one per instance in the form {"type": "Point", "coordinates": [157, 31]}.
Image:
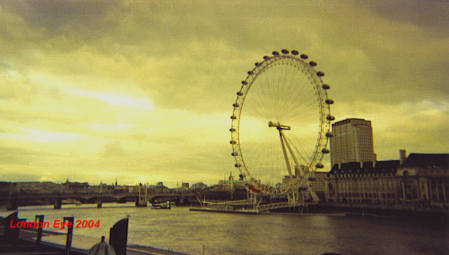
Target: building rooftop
{"type": "Point", "coordinates": [414, 160]}
{"type": "Point", "coordinates": [427, 160]}
{"type": "Point", "coordinates": [386, 166]}
{"type": "Point", "coordinates": [341, 122]}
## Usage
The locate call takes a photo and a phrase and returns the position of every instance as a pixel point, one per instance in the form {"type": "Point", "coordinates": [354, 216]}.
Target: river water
{"type": "Point", "coordinates": [181, 230]}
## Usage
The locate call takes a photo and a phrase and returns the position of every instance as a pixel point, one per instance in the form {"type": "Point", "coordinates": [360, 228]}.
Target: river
{"type": "Point", "coordinates": [181, 230]}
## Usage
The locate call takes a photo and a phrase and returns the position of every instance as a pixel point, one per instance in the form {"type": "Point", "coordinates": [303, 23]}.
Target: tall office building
{"type": "Point", "coordinates": [352, 141]}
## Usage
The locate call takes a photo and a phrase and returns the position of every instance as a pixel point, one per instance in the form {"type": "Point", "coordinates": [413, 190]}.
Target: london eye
{"type": "Point", "coordinates": [280, 123]}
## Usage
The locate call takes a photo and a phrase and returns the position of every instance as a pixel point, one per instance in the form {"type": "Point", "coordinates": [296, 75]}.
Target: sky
{"type": "Point", "coordinates": [142, 91]}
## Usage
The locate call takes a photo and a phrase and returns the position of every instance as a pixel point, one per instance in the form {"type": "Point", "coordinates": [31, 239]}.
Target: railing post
{"type": "Point", "coordinates": [40, 219]}
{"type": "Point", "coordinates": [68, 243]}
{"type": "Point", "coordinates": [11, 234]}
{"type": "Point", "coordinates": [118, 236]}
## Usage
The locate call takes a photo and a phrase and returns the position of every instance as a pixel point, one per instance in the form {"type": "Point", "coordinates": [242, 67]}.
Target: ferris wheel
{"type": "Point", "coordinates": [280, 124]}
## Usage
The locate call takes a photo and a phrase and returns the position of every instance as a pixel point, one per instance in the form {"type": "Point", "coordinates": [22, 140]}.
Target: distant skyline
{"type": "Point", "coordinates": [142, 91]}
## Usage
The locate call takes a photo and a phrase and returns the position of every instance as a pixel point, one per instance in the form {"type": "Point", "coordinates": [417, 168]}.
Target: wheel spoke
{"type": "Point", "coordinates": [286, 90]}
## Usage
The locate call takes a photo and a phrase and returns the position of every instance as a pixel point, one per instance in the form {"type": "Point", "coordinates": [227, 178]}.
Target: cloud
{"type": "Point", "coordinates": [146, 87]}
{"type": "Point", "coordinates": [431, 15]}
{"type": "Point", "coordinates": [14, 155]}
{"type": "Point", "coordinates": [114, 149]}
{"type": "Point", "coordinates": [18, 177]}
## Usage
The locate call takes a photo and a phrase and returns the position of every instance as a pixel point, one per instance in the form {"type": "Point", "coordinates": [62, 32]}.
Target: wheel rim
{"type": "Point", "coordinates": [271, 92]}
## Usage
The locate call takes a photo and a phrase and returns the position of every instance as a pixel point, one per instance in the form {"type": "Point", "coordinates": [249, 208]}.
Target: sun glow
{"type": "Point", "coordinates": [43, 136]}
{"type": "Point", "coordinates": [114, 99]}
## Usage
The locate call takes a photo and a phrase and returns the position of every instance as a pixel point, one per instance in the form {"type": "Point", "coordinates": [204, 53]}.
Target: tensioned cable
{"type": "Point", "coordinates": [280, 89]}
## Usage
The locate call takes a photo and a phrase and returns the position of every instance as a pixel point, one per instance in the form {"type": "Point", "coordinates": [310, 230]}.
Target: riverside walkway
{"type": "Point", "coordinates": [53, 243]}
{"type": "Point", "coordinates": [20, 241]}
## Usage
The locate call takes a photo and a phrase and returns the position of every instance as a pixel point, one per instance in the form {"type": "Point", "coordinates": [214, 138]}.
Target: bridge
{"type": "Point", "coordinates": [82, 197]}
{"type": "Point", "coordinates": [15, 199]}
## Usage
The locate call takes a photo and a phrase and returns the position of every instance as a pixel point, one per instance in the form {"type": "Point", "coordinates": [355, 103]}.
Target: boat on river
{"type": "Point", "coordinates": [165, 205]}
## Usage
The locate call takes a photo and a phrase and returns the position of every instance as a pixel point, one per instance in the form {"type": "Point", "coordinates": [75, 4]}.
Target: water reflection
{"type": "Point", "coordinates": [181, 230]}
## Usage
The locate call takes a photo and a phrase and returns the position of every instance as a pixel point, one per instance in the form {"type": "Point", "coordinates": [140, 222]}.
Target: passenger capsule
{"type": "Point", "coordinates": [234, 154]}
{"type": "Point", "coordinates": [295, 52]}
{"type": "Point", "coordinates": [233, 142]}
{"type": "Point", "coordinates": [235, 105]}
{"type": "Point", "coordinates": [257, 64]}
{"type": "Point", "coordinates": [239, 93]}
{"type": "Point", "coordinates": [275, 53]}
{"type": "Point", "coordinates": [329, 101]}
{"type": "Point", "coordinates": [319, 165]}
{"type": "Point", "coordinates": [304, 56]}
{"type": "Point", "coordinates": [312, 63]}
{"type": "Point", "coordinates": [233, 117]}
{"type": "Point", "coordinates": [330, 118]}
{"type": "Point", "coordinates": [250, 72]}
{"type": "Point", "coordinates": [284, 51]}
{"type": "Point", "coordinates": [244, 82]}
{"type": "Point", "coordinates": [232, 129]}
{"type": "Point", "coordinates": [266, 57]}
{"type": "Point", "coordinates": [329, 134]}
{"type": "Point", "coordinates": [325, 150]}
{"type": "Point", "coordinates": [326, 87]}
{"type": "Point", "coordinates": [237, 165]}
{"type": "Point", "coordinates": [320, 74]}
